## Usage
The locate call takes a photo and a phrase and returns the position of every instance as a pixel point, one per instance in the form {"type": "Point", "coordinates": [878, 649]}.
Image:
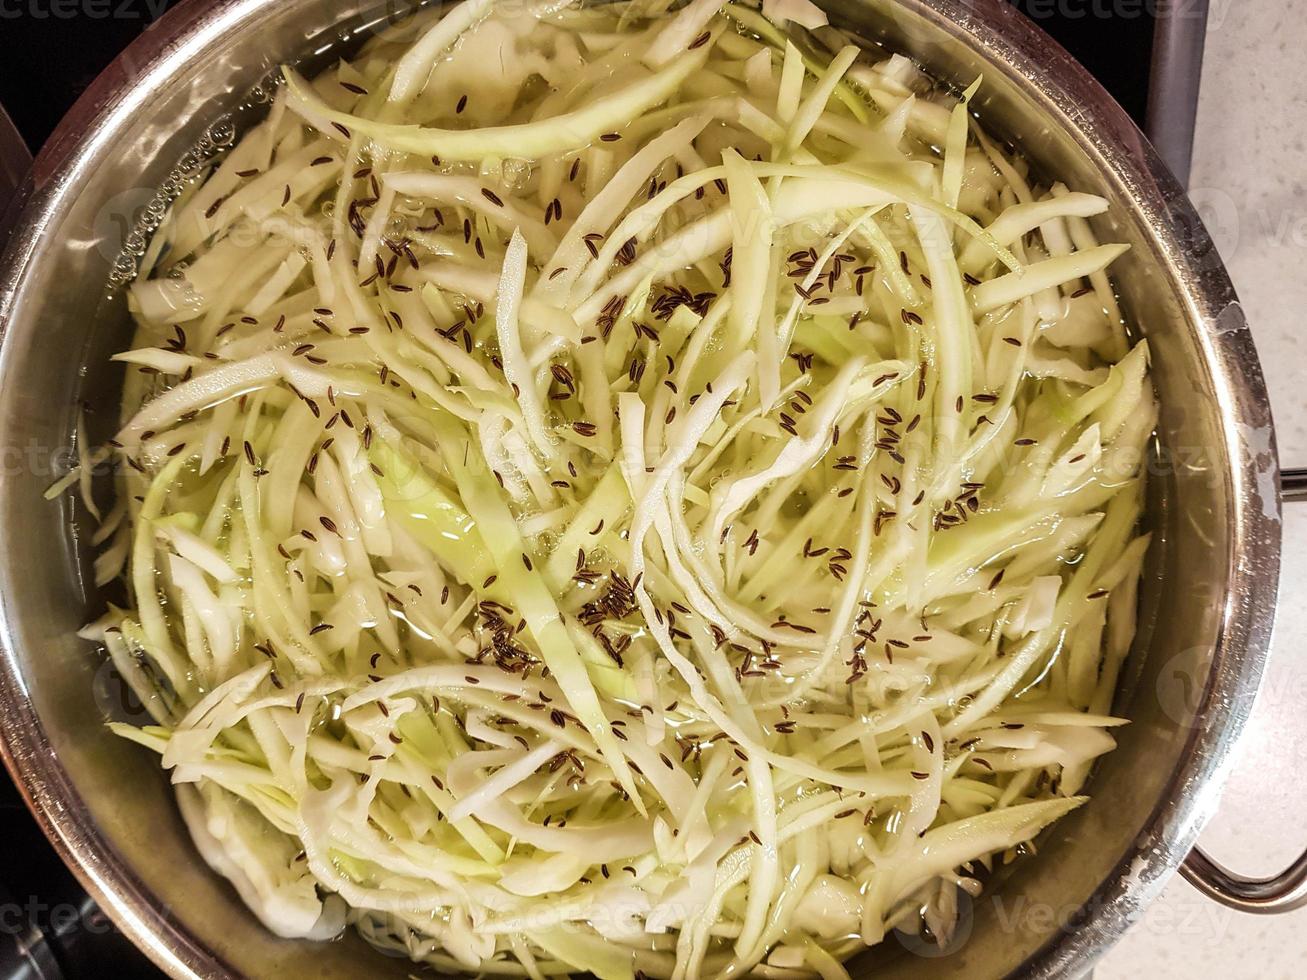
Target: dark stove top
{"type": "Point", "coordinates": [54, 48]}
{"type": "Point", "coordinates": [49, 928]}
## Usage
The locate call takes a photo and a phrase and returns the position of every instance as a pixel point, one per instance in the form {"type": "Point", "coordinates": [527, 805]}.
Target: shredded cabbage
{"type": "Point", "coordinates": [668, 507]}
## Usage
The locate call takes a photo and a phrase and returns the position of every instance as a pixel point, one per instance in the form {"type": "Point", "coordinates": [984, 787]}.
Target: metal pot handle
{"type": "Point", "coordinates": [1281, 892]}
{"type": "Point", "coordinates": [1277, 893]}
{"type": "Point", "coordinates": [1293, 485]}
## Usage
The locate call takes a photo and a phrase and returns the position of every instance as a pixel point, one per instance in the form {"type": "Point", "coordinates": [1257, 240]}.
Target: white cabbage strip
{"type": "Point", "coordinates": [609, 492]}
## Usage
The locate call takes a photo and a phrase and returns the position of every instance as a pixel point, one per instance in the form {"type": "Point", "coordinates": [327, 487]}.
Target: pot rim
{"type": "Point", "coordinates": [1000, 34]}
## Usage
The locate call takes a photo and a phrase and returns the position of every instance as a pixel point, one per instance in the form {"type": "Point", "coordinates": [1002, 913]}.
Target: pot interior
{"type": "Point", "coordinates": [1205, 598]}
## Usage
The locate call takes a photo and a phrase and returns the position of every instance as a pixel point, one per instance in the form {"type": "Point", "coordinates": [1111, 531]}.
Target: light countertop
{"type": "Point", "coordinates": [1250, 184]}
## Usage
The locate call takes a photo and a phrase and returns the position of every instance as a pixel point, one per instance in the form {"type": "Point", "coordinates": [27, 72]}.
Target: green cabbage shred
{"type": "Point", "coordinates": [612, 492]}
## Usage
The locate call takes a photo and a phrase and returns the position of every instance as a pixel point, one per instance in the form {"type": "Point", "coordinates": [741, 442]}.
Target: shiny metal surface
{"type": "Point", "coordinates": [1179, 36]}
{"type": "Point", "coordinates": [1282, 892]}
{"type": "Point", "coordinates": [1206, 604]}
{"type": "Point", "coordinates": [1293, 485]}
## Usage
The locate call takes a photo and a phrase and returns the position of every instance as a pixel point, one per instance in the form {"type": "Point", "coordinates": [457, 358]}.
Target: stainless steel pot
{"type": "Point", "coordinates": [1207, 602]}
